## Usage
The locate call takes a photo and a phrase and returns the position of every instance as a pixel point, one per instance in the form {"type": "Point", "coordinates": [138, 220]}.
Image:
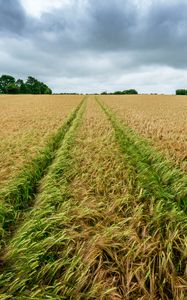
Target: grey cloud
{"type": "Point", "coordinates": [12, 16]}
{"type": "Point", "coordinates": [94, 39]}
{"type": "Point", "coordinates": [115, 25]}
{"type": "Point", "coordinates": [165, 25]}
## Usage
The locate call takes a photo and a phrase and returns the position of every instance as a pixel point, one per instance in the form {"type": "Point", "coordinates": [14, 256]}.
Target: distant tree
{"type": "Point", "coordinates": [21, 86]}
{"type": "Point", "coordinates": [130, 92]}
{"type": "Point", "coordinates": [34, 86]}
{"type": "Point", "coordinates": [12, 89]}
{"type": "Point", "coordinates": [118, 93]}
{"type": "Point", "coordinates": [44, 89]}
{"type": "Point", "coordinates": [6, 83]}
{"type": "Point", "coordinates": [104, 93]}
{"type": "Point", "coordinates": [181, 92]}
{"type": "Point", "coordinates": [126, 92]}
{"type": "Point", "coordinates": [49, 91]}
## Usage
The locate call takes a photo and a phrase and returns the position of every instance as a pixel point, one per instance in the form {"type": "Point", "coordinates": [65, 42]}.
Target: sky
{"type": "Point", "coordinates": [93, 46]}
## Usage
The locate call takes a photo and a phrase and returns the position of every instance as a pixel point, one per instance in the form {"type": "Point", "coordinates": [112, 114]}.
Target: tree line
{"type": "Point", "coordinates": [181, 92]}
{"type": "Point", "coordinates": [125, 92]}
{"type": "Point", "coordinates": [9, 85]}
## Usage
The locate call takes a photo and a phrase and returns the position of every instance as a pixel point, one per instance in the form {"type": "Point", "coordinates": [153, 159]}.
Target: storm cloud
{"type": "Point", "coordinates": [12, 17]}
{"type": "Point", "coordinates": [90, 46]}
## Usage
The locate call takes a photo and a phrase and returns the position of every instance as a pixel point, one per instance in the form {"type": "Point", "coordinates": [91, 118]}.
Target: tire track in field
{"type": "Point", "coordinates": [155, 174]}
{"type": "Point", "coordinates": [94, 233]}
{"type": "Point", "coordinates": [34, 244]}
{"type": "Point", "coordinates": [19, 195]}
{"type": "Point", "coordinates": [161, 191]}
{"type": "Point", "coordinates": [122, 244]}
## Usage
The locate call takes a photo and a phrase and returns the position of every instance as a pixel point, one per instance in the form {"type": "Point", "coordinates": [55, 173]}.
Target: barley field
{"type": "Point", "coordinates": [97, 207]}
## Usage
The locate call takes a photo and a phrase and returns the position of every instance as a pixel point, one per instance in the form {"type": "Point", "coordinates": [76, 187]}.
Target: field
{"type": "Point", "coordinates": [162, 119]}
{"type": "Point", "coordinates": [27, 123]}
{"type": "Point", "coordinates": [97, 207]}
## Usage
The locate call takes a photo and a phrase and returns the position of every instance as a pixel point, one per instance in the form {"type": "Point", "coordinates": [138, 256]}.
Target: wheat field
{"type": "Point", "coordinates": [27, 122]}
{"type": "Point", "coordinates": [100, 212]}
{"type": "Point", "coordinates": [160, 118]}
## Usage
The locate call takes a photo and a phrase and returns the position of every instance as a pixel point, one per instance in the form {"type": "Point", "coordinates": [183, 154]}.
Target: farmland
{"type": "Point", "coordinates": [28, 121]}
{"type": "Point", "coordinates": [161, 119]}
{"type": "Point", "coordinates": [100, 211]}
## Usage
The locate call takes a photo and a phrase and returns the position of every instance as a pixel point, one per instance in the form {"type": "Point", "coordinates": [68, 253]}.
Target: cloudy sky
{"type": "Point", "coordinates": [94, 45]}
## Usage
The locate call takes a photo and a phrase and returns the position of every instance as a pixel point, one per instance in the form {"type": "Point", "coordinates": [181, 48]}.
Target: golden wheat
{"type": "Point", "coordinates": [26, 123]}
{"type": "Point", "coordinates": [108, 220]}
{"type": "Point", "coordinates": [162, 119]}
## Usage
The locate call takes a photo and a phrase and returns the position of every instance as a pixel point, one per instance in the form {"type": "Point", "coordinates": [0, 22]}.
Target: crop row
{"type": "Point", "coordinates": [160, 119]}
{"type": "Point", "coordinates": [37, 240]}
{"type": "Point", "coordinates": [19, 194]}
{"type": "Point", "coordinates": [109, 220]}
{"type": "Point", "coordinates": [27, 123]}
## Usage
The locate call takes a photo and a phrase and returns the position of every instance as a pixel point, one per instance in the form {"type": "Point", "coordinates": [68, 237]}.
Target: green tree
{"type": "Point", "coordinates": [126, 92]}
{"type": "Point", "coordinates": [33, 85]}
{"type": "Point", "coordinates": [12, 89]}
{"type": "Point", "coordinates": [181, 92]}
{"type": "Point", "coordinates": [22, 87]}
{"type": "Point", "coordinates": [130, 92]}
{"type": "Point", "coordinates": [6, 83]}
{"type": "Point", "coordinates": [44, 89]}
{"type": "Point", "coordinates": [36, 87]}
{"type": "Point", "coordinates": [48, 91]}
{"type": "Point", "coordinates": [118, 93]}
